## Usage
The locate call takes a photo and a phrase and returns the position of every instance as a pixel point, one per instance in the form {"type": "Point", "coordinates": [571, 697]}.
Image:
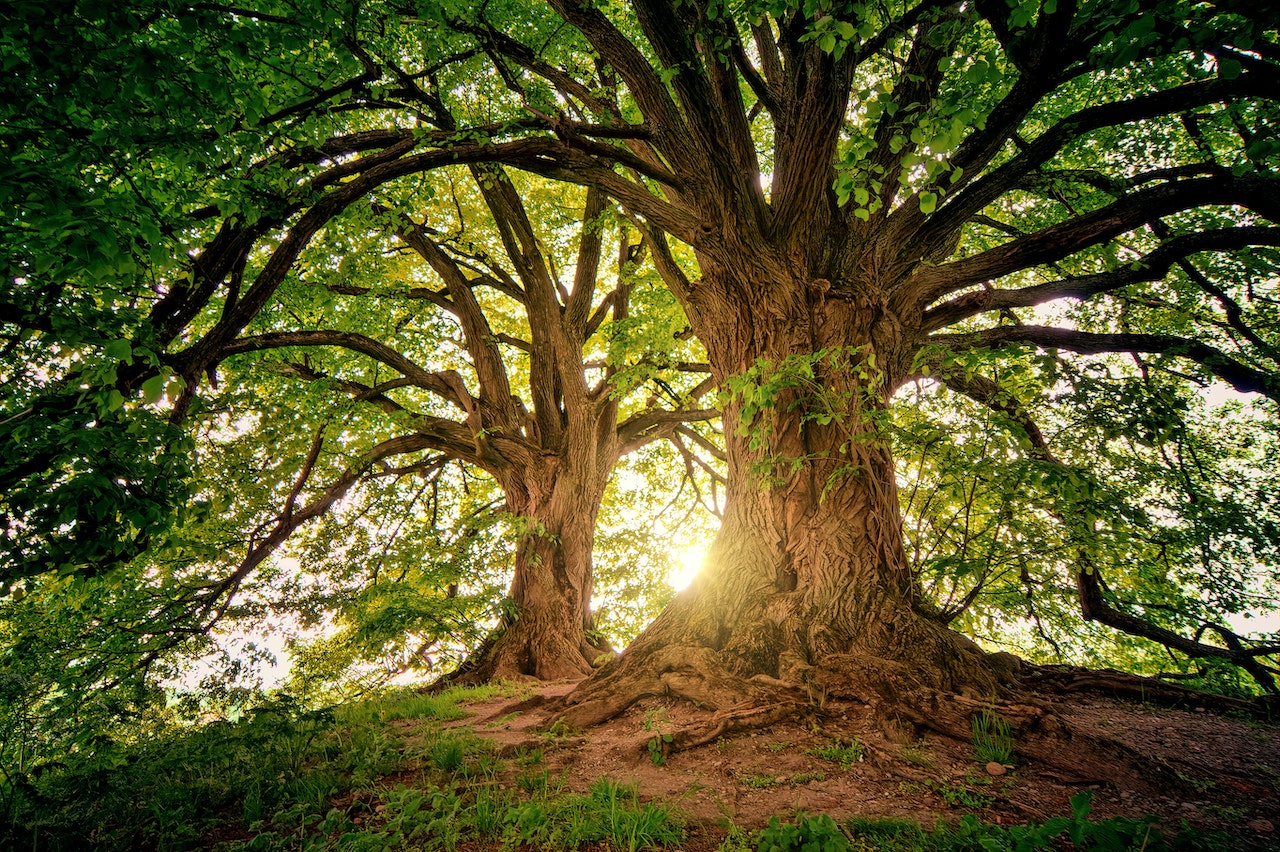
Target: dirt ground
{"type": "Point", "coordinates": [1212, 771]}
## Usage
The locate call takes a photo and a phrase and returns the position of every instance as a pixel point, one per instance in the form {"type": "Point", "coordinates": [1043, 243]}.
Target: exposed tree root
{"type": "Point", "coordinates": [681, 672]}
{"type": "Point", "coordinates": [516, 651]}
{"type": "Point", "coordinates": [1066, 679]}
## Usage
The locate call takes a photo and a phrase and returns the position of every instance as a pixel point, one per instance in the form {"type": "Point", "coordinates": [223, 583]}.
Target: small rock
{"type": "Point", "coordinates": [996, 769]}
{"type": "Point", "coordinates": [1262, 826]}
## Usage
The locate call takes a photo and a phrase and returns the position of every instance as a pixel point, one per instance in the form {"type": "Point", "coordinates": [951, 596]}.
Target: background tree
{"type": "Point", "coordinates": [488, 286]}
{"type": "Point", "coordinates": [317, 154]}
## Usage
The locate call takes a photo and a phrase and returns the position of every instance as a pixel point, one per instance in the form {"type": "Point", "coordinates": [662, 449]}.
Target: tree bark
{"type": "Point", "coordinates": [807, 590]}
{"type": "Point", "coordinates": [548, 630]}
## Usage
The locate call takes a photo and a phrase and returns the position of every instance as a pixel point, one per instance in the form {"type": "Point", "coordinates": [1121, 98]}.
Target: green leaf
{"type": "Point", "coordinates": [121, 350]}
{"type": "Point", "coordinates": [153, 388]}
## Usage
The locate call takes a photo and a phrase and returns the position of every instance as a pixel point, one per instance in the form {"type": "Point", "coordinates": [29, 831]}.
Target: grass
{"type": "Point", "coordinates": [837, 752]}
{"type": "Point", "coordinates": [992, 738]}
{"type": "Point", "coordinates": [282, 778]}
{"type": "Point", "coordinates": [764, 782]}
{"type": "Point", "coordinates": [916, 755]}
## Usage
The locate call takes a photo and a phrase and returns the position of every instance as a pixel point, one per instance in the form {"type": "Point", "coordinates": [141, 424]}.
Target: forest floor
{"type": "Point", "coordinates": [1188, 767]}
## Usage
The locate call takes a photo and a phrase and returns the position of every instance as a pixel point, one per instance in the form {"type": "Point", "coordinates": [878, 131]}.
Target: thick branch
{"type": "Point", "coordinates": [1151, 267]}
{"type": "Point", "coordinates": [447, 385]}
{"type": "Point", "coordinates": [942, 226]}
{"type": "Point", "coordinates": [1242, 377]}
{"type": "Point", "coordinates": [1059, 241]}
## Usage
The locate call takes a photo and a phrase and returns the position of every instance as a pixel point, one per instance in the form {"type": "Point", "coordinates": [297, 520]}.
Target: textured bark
{"type": "Point", "coordinates": [807, 591]}
{"type": "Point", "coordinates": [548, 632]}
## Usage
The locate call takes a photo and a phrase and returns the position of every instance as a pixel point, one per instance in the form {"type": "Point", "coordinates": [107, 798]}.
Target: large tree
{"type": "Point", "coordinates": [230, 184]}
{"type": "Point", "coordinates": [864, 187]}
{"type": "Point", "coordinates": [843, 198]}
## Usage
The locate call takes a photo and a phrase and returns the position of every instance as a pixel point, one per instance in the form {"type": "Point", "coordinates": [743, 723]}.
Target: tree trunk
{"type": "Point", "coordinates": [807, 589]}
{"type": "Point", "coordinates": [548, 630]}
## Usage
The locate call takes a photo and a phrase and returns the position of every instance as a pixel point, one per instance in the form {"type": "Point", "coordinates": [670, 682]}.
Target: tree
{"type": "Point", "coordinates": [843, 198]}
{"type": "Point", "coordinates": [307, 169]}
{"type": "Point", "coordinates": [489, 285]}
{"type": "Point", "coordinates": [931, 172]}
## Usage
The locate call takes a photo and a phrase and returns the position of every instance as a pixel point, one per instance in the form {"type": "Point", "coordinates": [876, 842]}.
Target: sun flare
{"type": "Point", "coordinates": [686, 567]}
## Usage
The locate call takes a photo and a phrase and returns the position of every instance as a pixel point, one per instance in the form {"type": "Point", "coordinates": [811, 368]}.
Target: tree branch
{"type": "Point", "coordinates": [1151, 267]}
{"type": "Point", "coordinates": [1242, 377]}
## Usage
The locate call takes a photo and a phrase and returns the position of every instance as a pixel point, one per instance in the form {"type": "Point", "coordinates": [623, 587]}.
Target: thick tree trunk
{"type": "Point", "coordinates": [547, 632]}
{"type": "Point", "coordinates": [807, 590]}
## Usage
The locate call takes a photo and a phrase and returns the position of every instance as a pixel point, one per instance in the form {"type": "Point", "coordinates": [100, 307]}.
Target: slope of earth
{"type": "Point", "coordinates": [1189, 767]}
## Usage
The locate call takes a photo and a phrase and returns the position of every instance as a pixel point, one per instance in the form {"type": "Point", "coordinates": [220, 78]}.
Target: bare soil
{"type": "Point", "coordinates": [1211, 771]}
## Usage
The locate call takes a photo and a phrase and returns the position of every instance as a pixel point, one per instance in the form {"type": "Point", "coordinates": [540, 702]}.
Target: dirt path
{"type": "Point", "coordinates": [1212, 771]}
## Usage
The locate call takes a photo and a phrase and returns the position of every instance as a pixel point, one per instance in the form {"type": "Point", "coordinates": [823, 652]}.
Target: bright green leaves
{"type": "Point", "coordinates": [89, 483]}
{"type": "Point", "coordinates": [901, 139]}
{"type": "Point", "coordinates": [1168, 495]}
{"type": "Point", "coordinates": [835, 36]}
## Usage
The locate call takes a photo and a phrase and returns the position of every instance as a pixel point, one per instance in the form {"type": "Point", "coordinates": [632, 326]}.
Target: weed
{"type": "Point", "coordinates": [806, 777]}
{"type": "Point", "coordinates": [560, 730]}
{"type": "Point", "coordinates": [490, 810]}
{"type": "Point", "coordinates": [533, 781]}
{"type": "Point", "coordinates": [834, 751]}
{"type": "Point", "coordinates": [654, 720]}
{"type": "Point", "coordinates": [737, 839]}
{"type": "Point", "coordinates": [763, 782]}
{"type": "Point", "coordinates": [916, 756]}
{"type": "Point", "coordinates": [955, 795]}
{"type": "Point", "coordinates": [819, 833]}
{"type": "Point", "coordinates": [992, 738]}
{"type": "Point", "coordinates": [656, 746]}
{"type": "Point", "coordinates": [778, 746]}
{"type": "Point", "coordinates": [448, 755]}
{"type": "Point", "coordinates": [1226, 813]}
{"type": "Point", "coordinates": [502, 720]}
{"type": "Point", "coordinates": [529, 756]}
{"type": "Point", "coordinates": [1200, 785]}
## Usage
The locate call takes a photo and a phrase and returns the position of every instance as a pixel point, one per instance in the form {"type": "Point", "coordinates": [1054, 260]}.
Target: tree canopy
{"type": "Point", "coordinates": [988, 292]}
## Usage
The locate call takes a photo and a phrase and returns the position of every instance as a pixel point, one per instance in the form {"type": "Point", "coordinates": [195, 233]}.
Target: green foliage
{"type": "Point", "coordinates": [837, 752]}
{"type": "Point", "coordinates": [992, 738]}
{"type": "Point", "coordinates": [808, 834]}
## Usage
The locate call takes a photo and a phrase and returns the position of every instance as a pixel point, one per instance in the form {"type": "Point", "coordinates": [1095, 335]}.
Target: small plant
{"type": "Point", "coordinates": [992, 738]}
{"type": "Point", "coordinates": [502, 720]}
{"type": "Point", "coordinates": [657, 744]}
{"type": "Point", "coordinates": [533, 781]}
{"type": "Point", "coordinates": [954, 795]}
{"type": "Point", "coordinates": [806, 777]}
{"type": "Point", "coordinates": [778, 746]}
{"type": "Point", "coordinates": [737, 838]}
{"type": "Point", "coordinates": [529, 756]}
{"type": "Point", "coordinates": [809, 834]}
{"type": "Point", "coordinates": [834, 751]}
{"type": "Point", "coordinates": [763, 782]}
{"type": "Point", "coordinates": [560, 730]}
{"type": "Point", "coordinates": [916, 756]}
